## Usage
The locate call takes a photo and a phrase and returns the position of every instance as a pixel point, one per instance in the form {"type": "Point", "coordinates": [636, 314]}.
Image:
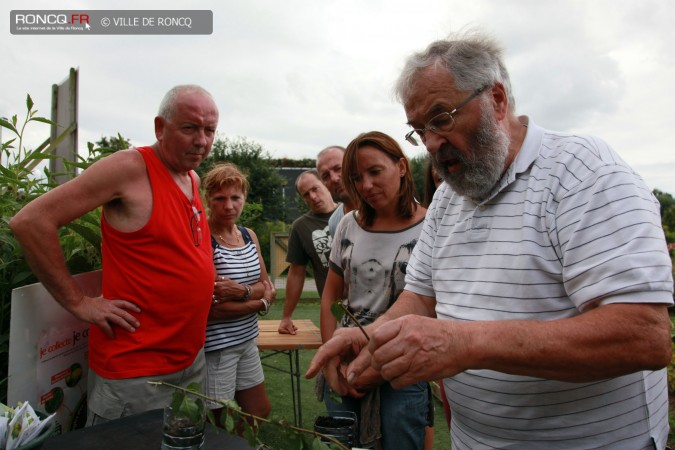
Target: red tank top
{"type": "Point", "coordinates": [160, 269]}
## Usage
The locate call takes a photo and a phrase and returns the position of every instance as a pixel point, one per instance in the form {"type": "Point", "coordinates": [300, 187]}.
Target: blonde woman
{"type": "Point", "coordinates": [242, 291]}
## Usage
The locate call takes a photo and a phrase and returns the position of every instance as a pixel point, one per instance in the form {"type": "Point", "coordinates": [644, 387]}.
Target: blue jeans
{"type": "Point", "coordinates": [403, 414]}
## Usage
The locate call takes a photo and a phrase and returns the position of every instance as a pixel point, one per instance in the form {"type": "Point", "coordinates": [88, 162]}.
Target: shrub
{"type": "Point", "coordinates": [19, 184]}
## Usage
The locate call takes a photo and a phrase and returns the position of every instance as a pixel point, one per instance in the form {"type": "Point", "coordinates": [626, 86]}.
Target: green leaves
{"type": "Point", "coordinates": [318, 444]}
{"type": "Point", "coordinates": [334, 396]}
{"type": "Point", "coordinates": [20, 182]}
{"type": "Point", "coordinates": [185, 406]}
{"type": "Point", "coordinates": [337, 309]}
{"type": "Point", "coordinates": [229, 423]}
{"type": "Point", "coordinates": [9, 126]}
{"type": "Point", "coordinates": [42, 120]}
{"type": "Point", "coordinates": [266, 185]}
{"type": "Point", "coordinates": [234, 420]}
{"type": "Point", "coordinates": [250, 435]}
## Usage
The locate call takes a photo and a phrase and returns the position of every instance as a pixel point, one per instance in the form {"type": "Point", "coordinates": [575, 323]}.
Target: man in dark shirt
{"type": "Point", "coordinates": [309, 243]}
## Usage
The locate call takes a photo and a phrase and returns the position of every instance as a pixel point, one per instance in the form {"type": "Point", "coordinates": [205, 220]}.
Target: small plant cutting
{"type": "Point", "coordinates": [189, 404]}
{"type": "Point", "coordinates": [339, 309]}
{"type": "Point", "coordinates": [184, 420]}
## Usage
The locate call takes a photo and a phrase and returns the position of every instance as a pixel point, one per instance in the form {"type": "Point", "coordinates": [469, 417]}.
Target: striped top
{"type": "Point", "coordinates": [569, 226]}
{"type": "Point", "coordinates": [243, 266]}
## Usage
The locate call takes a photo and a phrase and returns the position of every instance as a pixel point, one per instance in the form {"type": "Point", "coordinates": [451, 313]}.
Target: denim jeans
{"type": "Point", "coordinates": [403, 414]}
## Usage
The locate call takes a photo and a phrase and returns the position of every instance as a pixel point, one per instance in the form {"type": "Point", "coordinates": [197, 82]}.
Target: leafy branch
{"type": "Point", "coordinates": [339, 309]}
{"type": "Point", "coordinates": [190, 408]}
{"type": "Point", "coordinates": [28, 159]}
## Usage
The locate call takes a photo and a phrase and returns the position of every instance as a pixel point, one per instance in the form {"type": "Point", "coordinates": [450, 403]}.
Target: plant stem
{"type": "Point", "coordinates": [356, 322]}
{"type": "Point", "coordinates": [252, 416]}
{"type": "Point", "coordinates": [23, 128]}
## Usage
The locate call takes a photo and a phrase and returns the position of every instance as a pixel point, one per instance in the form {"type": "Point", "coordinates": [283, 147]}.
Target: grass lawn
{"type": "Point", "coordinates": [278, 384]}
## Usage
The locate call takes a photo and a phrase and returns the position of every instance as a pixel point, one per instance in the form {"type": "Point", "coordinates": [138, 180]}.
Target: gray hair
{"type": "Point", "coordinates": [472, 59]}
{"type": "Point", "coordinates": [329, 148]}
{"type": "Point", "coordinates": [168, 105]}
{"type": "Point", "coordinates": [313, 172]}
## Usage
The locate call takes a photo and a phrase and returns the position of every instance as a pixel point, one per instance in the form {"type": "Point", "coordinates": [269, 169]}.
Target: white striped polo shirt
{"type": "Point", "coordinates": [568, 224]}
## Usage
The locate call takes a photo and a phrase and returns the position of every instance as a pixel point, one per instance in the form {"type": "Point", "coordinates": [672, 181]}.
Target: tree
{"type": "Point", "coordinates": [667, 215]}
{"type": "Point", "coordinates": [265, 208]}
{"type": "Point", "coordinates": [102, 148]}
{"type": "Point", "coordinates": [114, 143]}
{"type": "Point", "coordinates": [266, 185]}
{"type": "Point", "coordinates": [287, 162]}
{"type": "Point", "coordinates": [417, 165]}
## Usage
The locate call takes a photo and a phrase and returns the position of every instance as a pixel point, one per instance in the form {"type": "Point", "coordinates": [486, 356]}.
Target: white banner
{"type": "Point", "coordinates": [48, 349]}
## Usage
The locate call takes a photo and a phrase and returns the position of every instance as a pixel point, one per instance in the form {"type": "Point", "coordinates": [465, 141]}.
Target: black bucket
{"type": "Point", "coordinates": [341, 426]}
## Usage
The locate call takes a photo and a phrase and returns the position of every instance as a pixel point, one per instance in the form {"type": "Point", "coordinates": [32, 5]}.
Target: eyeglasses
{"type": "Point", "coordinates": [194, 226]}
{"type": "Point", "coordinates": [442, 123]}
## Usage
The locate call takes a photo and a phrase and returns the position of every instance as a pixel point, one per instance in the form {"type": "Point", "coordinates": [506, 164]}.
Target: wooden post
{"type": "Point", "coordinates": [278, 251]}
{"type": "Point", "coordinates": [64, 114]}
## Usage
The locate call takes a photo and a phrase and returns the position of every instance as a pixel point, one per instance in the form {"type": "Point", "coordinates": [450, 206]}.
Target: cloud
{"type": "Point", "coordinates": [298, 75]}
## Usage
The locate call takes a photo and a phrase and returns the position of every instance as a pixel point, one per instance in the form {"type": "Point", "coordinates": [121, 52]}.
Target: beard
{"type": "Point", "coordinates": [482, 166]}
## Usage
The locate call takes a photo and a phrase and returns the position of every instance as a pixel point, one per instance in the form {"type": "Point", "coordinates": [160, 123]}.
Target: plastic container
{"type": "Point", "coordinates": [341, 425]}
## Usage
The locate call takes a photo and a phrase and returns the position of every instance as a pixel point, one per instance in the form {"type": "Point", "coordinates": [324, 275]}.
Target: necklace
{"type": "Point", "coordinates": [237, 237]}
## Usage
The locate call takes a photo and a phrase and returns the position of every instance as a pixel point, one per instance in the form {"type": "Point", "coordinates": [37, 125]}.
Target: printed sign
{"type": "Point", "coordinates": [48, 353]}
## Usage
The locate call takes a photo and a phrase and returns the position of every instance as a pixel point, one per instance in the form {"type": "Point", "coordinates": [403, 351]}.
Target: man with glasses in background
{"type": "Point", "coordinates": [540, 284]}
{"type": "Point", "coordinates": [150, 321]}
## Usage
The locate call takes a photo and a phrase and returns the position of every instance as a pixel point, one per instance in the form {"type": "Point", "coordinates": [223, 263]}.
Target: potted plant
{"type": "Point", "coordinates": [184, 421]}
{"type": "Point", "coordinates": [187, 401]}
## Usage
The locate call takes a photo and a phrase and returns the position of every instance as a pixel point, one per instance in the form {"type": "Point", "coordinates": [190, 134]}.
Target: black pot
{"type": "Point", "coordinates": [342, 426]}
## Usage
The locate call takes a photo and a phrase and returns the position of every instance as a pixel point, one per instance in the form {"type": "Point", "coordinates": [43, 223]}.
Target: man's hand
{"type": "Point", "coordinates": [608, 341]}
{"type": "Point", "coordinates": [367, 381]}
{"type": "Point", "coordinates": [334, 373]}
{"type": "Point", "coordinates": [346, 345]}
{"type": "Point", "coordinates": [106, 314]}
{"type": "Point", "coordinates": [286, 326]}
{"type": "Point", "coordinates": [408, 350]}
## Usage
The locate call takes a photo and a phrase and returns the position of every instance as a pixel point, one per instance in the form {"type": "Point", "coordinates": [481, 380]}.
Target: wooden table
{"type": "Point", "coordinates": [308, 336]}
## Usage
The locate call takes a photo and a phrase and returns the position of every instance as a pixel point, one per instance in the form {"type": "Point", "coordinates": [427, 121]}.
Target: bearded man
{"type": "Point", "coordinates": [540, 284]}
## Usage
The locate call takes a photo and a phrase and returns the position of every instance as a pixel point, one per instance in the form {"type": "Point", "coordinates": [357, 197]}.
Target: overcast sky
{"type": "Point", "coordinates": [299, 75]}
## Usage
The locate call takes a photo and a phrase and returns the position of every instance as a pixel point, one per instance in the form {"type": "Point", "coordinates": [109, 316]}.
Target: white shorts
{"type": "Point", "coordinates": [232, 369]}
{"type": "Point", "coordinates": [110, 399]}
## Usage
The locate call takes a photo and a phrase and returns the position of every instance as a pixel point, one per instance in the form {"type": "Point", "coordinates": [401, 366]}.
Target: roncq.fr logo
{"type": "Point", "coordinates": [51, 19]}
